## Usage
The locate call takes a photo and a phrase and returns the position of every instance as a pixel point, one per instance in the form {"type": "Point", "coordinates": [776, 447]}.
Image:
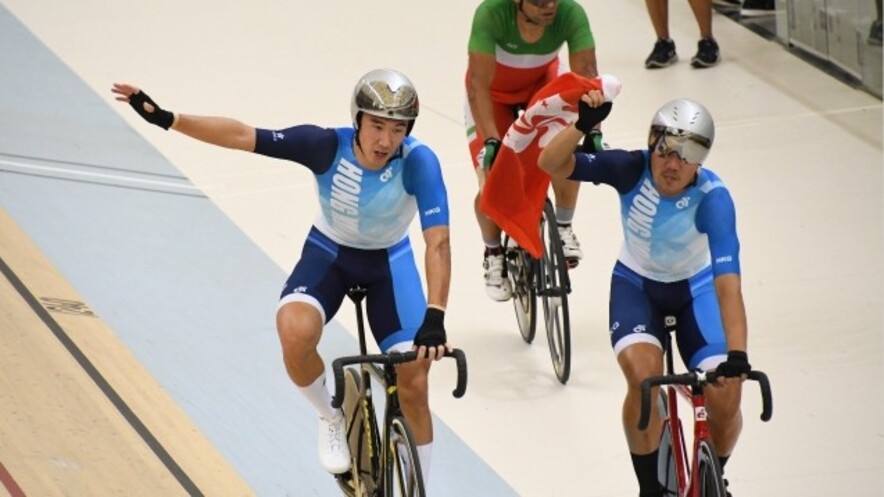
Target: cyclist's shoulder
{"type": "Point", "coordinates": [416, 153]}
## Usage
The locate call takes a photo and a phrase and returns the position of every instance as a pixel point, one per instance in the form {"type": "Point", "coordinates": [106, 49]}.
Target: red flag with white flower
{"type": "Point", "coordinates": [516, 188]}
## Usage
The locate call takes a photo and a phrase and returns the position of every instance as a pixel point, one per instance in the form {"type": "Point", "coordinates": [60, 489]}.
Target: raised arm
{"type": "Point", "coordinates": [557, 158]}
{"type": "Point", "coordinates": [221, 131]}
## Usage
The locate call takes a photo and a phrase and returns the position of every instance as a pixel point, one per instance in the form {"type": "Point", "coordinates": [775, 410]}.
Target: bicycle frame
{"type": "Point", "coordinates": [694, 395]}
{"type": "Point", "coordinates": [382, 463]}
{"type": "Point", "coordinates": [690, 387]}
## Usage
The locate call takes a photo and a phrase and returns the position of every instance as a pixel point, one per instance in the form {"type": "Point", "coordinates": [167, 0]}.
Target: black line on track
{"type": "Point", "coordinates": [101, 382]}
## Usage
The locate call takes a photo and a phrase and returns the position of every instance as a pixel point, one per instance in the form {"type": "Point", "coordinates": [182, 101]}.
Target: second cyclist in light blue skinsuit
{"type": "Point", "coordinates": [679, 257]}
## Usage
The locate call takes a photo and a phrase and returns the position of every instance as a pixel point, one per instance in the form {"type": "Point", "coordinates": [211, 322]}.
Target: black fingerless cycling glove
{"type": "Point", "coordinates": [736, 365]}
{"type": "Point", "coordinates": [432, 331]}
{"type": "Point", "coordinates": [158, 116]}
{"type": "Point", "coordinates": [588, 117]}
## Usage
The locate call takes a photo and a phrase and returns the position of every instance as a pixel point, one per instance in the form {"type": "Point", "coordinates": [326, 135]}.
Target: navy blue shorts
{"type": "Point", "coordinates": [638, 306]}
{"type": "Point", "coordinates": [395, 302]}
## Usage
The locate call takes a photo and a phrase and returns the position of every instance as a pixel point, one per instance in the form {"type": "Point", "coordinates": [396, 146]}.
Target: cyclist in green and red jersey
{"type": "Point", "coordinates": [514, 51]}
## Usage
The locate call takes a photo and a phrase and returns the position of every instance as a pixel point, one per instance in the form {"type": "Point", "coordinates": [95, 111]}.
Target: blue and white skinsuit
{"type": "Point", "coordinates": [360, 235]}
{"type": "Point", "coordinates": [673, 248]}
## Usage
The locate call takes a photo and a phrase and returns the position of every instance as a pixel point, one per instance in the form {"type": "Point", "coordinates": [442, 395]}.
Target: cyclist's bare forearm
{"type": "Point", "coordinates": [221, 131]}
{"type": "Point", "coordinates": [557, 158]}
{"type": "Point", "coordinates": [437, 260]}
{"type": "Point", "coordinates": [733, 311]}
{"type": "Point", "coordinates": [479, 94]}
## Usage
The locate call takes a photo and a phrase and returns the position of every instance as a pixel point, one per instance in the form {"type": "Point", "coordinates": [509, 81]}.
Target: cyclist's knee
{"type": "Point", "coordinates": [299, 326]}
{"type": "Point", "coordinates": [723, 403]}
{"type": "Point", "coordinates": [640, 361]}
{"type": "Point", "coordinates": [412, 383]}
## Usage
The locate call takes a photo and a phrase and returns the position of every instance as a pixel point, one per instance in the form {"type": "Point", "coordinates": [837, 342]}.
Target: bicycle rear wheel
{"type": "Point", "coordinates": [520, 272]}
{"type": "Point", "coordinates": [553, 287]}
{"type": "Point", "coordinates": [404, 477]}
{"type": "Point", "coordinates": [710, 477]}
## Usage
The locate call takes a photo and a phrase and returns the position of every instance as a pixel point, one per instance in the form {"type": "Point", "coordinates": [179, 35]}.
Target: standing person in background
{"type": "Point", "coordinates": [679, 257]}
{"type": "Point", "coordinates": [513, 52]}
{"type": "Point", "coordinates": [664, 53]}
{"type": "Point", "coordinates": [874, 37]}
{"type": "Point", "coordinates": [373, 178]}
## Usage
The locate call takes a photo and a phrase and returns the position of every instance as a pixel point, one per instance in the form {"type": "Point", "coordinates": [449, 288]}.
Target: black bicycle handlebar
{"type": "Point", "coordinates": [392, 359]}
{"type": "Point", "coordinates": [700, 379]}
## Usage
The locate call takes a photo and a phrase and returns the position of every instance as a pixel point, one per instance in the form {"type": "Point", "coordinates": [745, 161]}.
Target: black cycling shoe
{"type": "Point", "coordinates": [707, 54]}
{"type": "Point", "coordinates": [663, 55]}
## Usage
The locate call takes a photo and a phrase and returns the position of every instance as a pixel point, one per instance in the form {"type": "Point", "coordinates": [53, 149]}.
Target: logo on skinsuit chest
{"type": "Point", "coordinates": [641, 217]}
{"type": "Point", "coordinates": [345, 188]}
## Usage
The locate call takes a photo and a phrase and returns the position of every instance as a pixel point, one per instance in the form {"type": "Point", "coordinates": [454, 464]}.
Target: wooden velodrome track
{"type": "Point", "coordinates": [140, 270]}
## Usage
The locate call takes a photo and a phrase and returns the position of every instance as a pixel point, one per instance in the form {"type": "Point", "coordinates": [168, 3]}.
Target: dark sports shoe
{"type": "Point", "coordinates": [707, 54]}
{"type": "Point", "coordinates": [663, 55]}
{"type": "Point", "coordinates": [756, 8]}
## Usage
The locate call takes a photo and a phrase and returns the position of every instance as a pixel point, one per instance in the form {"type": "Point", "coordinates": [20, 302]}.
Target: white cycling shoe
{"type": "Point", "coordinates": [496, 286]}
{"type": "Point", "coordinates": [334, 449]}
{"type": "Point", "coordinates": [570, 245]}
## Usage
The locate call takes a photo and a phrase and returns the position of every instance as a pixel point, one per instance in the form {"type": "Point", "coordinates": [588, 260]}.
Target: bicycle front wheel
{"type": "Point", "coordinates": [404, 477]}
{"type": "Point", "coordinates": [521, 274]}
{"type": "Point", "coordinates": [554, 285]}
{"type": "Point", "coordinates": [363, 437]}
{"type": "Point", "coordinates": [710, 476]}
{"type": "Point", "coordinates": [668, 469]}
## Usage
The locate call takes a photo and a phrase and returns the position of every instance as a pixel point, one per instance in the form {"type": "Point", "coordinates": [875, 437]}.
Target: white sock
{"type": "Point", "coordinates": [320, 397]}
{"type": "Point", "coordinates": [424, 453]}
{"type": "Point", "coordinates": [564, 216]}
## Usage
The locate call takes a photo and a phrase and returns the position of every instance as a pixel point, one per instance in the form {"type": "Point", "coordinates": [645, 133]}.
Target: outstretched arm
{"type": "Point", "coordinates": [221, 131]}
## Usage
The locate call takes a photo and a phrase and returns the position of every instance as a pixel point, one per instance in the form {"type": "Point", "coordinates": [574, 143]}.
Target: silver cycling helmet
{"type": "Point", "coordinates": [684, 127]}
{"type": "Point", "coordinates": [385, 93]}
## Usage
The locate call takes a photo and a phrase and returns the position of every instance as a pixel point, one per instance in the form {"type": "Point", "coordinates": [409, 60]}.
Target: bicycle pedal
{"type": "Point", "coordinates": [572, 263]}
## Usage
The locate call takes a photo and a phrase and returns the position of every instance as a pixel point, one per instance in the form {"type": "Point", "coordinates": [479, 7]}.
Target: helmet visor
{"type": "Point", "coordinates": [689, 147]}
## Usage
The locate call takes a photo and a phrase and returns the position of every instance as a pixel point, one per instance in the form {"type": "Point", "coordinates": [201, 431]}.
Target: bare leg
{"type": "Point", "coordinates": [658, 11]}
{"type": "Point", "coordinates": [703, 13]}
{"type": "Point", "coordinates": [490, 231]}
{"type": "Point", "coordinates": [640, 361]}
{"type": "Point", "coordinates": [566, 192]}
{"type": "Point", "coordinates": [299, 326]}
{"type": "Point", "coordinates": [414, 399]}
{"type": "Point", "coordinates": [725, 417]}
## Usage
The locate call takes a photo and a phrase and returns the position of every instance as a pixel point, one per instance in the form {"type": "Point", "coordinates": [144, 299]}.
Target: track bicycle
{"type": "Point", "coordinates": [700, 474]}
{"type": "Point", "coordinates": [384, 463]}
{"type": "Point", "coordinates": [548, 279]}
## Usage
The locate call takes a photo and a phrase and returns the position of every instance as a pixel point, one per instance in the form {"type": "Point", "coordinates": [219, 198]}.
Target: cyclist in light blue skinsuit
{"type": "Point", "coordinates": [371, 179]}
{"type": "Point", "coordinates": [680, 257]}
